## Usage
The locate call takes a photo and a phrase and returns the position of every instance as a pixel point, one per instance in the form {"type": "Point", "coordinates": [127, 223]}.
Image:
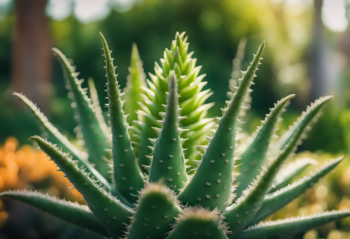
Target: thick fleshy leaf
{"type": "Point", "coordinates": [240, 213]}
{"type": "Point", "coordinates": [155, 213]}
{"type": "Point", "coordinates": [254, 156]}
{"type": "Point", "coordinates": [94, 138]}
{"type": "Point", "coordinates": [237, 67]}
{"type": "Point", "coordinates": [301, 124]}
{"type": "Point", "coordinates": [287, 173]}
{"type": "Point", "coordinates": [275, 201]}
{"type": "Point", "coordinates": [290, 226]}
{"type": "Point", "coordinates": [127, 175]}
{"type": "Point", "coordinates": [132, 93]}
{"type": "Point", "coordinates": [57, 138]}
{"type": "Point", "coordinates": [198, 223]}
{"type": "Point", "coordinates": [210, 186]}
{"type": "Point", "coordinates": [68, 211]}
{"type": "Point", "coordinates": [97, 108]}
{"type": "Point", "coordinates": [111, 212]}
{"type": "Point", "coordinates": [168, 162]}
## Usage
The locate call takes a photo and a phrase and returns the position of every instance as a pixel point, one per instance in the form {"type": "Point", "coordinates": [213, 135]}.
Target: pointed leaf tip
{"type": "Point", "coordinates": [261, 48]}
{"type": "Point", "coordinates": [56, 51]}
{"type": "Point", "coordinates": [254, 156]}
{"type": "Point", "coordinates": [168, 145]}
{"type": "Point", "coordinates": [95, 140]}
{"type": "Point", "coordinates": [103, 40]}
{"type": "Point", "coordinates": [172, 82]}
{"type": "Point", "coordinates": [300, 126]}
{"type": "Point", "coordinates": [35, 138]}
{"type": "Point", "coordinates": [275, 201]}
{"type": "Point", "coordinates": [122, 151]}
{"type": "Point", "coordinates": [135, 49]}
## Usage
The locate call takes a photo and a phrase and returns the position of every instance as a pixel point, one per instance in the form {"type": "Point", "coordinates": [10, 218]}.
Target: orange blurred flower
{"type": "Point", "coordinates": [20, 168]}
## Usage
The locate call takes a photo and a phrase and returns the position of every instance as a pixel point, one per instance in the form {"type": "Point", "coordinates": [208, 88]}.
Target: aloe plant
{"type": "Point", "coordinates": [168, 202]}
{"type": "Point", "coordinates": [192, 99]}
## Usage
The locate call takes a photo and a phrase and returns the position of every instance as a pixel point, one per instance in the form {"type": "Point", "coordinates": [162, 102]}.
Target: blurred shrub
{"type": "Point", "coordinates": [27, 168]}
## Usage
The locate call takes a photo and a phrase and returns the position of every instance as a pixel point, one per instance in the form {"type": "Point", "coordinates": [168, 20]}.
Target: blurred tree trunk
{"type": "Point", "coordinates": [320, 75]}
{"type": "Point", "coordinates": [31, 59]}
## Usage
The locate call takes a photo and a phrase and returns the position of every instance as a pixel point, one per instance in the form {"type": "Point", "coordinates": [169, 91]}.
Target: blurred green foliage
{"type": "Point", "coordinates": [214, 28]}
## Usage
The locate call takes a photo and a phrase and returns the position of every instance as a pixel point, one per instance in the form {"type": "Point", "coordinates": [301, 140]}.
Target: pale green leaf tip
{"type": "Point", "coordinates": [104, 42]}
{"type": "Point", "coordinates": [173, 81]}
{"type": "Point", "coordinates": [60, 55]}
{"type": "Point", "coordinates": [102, 36]}
{"type": "Point", "coordinates": [324, 99]}
{"type": "Point", "coordinates": [55, 50]}
{"type": "Point", "coordinates": [35, 138]}
{"type": "Point", "coordinates": [262, 46]}
{"type": "Point", "coordinates": [135, 49]}
{"type": "Point", "coordinates": [288, 97]}
{"type": "Point", "coordinates": [340, 158]}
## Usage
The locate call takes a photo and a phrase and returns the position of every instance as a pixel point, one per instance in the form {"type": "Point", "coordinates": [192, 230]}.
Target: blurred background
{"type": "Point", "coordinates": [307, 53]}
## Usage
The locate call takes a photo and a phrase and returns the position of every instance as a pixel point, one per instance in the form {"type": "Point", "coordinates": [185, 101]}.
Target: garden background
{"type": "Point", "coordinates": [307, 53]}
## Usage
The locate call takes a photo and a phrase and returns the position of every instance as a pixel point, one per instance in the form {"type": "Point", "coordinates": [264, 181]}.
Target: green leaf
{"type": "Point", "coordinates": [95, 141]}
{"type": "Point", "coordinates": [287, 173]}
{"type": "Point", "coordinates": [198, 223]}
{"type": "Point", "coordinates": [127, 175]}
{"type": "Point", "coordinates": [191, 100]}
{"type": "Point", "coordinates": [301, 124]}
{"type": "Point", "coordinates": [57, 138]}
{"type": "Point", "coordinates": [210, 186]}
{"type": "Point", "coordinates": [156, 211]}
{"type": "Point", "coordinates": [275, 201]}
{"type": "Point", "coordinates": [237, 67]}
{"type": "Point", "coordinates": [111, 212]}
{"type": "Point", "coordinates": [168, 162]}
{"type": "Point", "coordinates": [68, 211]}
{"type": "Point", "coordinates": [254, 156]}
{"type": "Point", "coordinates": [290, 226]}
{"type": "Point", "coordinates": [97, 108]}
{"type": "Point", "coordinates": [132, 93]}
{"type": "Point", "coordinates": [242, 211]}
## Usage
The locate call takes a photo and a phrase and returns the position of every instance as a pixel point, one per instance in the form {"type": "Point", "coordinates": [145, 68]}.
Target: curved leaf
{"type": "Point", "coordinates": [68, 211]}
